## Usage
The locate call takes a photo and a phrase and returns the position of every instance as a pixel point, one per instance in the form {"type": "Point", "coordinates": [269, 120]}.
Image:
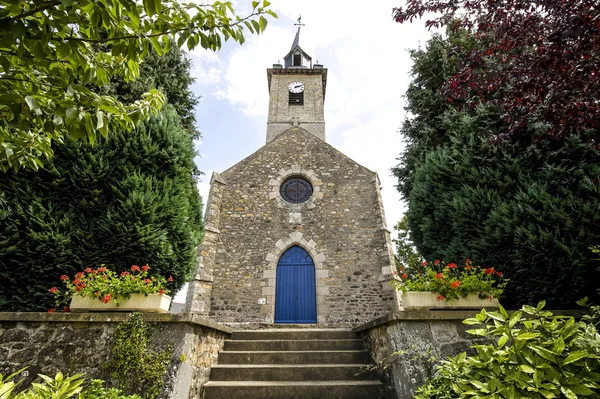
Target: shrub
{"type": "Point", "coordinates": [59, 387]}
{"type": "Point", "coordinates": [537, 355]}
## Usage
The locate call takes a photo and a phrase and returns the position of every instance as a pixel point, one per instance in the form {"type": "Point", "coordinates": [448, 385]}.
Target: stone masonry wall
{"type": "Point", "coordinates": [81, 343]}
{"type": "Point", "coordinates": [282, 115]}
{"type": "Point", "coordinates": [423, 336]}
{"type": "Point", "coordinates": [342, 227]}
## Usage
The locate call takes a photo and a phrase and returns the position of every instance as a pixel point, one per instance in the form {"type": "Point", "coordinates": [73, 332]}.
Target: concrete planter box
{"type": "Point", "coordinates": [427, 300]}
{"type": "Point", "coordinates": [156, 303]}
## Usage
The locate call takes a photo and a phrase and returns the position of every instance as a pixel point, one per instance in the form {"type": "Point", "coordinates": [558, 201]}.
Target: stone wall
{"type": "Point", "coordinates": [282, 115]}
{"type": "Point", "coordinates": [424, 337]}
{"type": "Point", "coordinates": [342, 227]}
{"type": "Point", "coordinates": [81, 343]}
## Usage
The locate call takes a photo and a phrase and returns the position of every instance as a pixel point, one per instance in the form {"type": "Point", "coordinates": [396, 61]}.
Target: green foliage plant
{"type": "Point", "coordinates": [55, 55]}
{"type": "Point", "coordinates": [59, 387]}
{"type": "Point", "coordinates": [451, 282]}
{"type": "Point", "coordinates": [137, 368]}
{"type": "Point", "coordinates": [106, 285]}
{"type": "Point", "coordinates": [534, 354]}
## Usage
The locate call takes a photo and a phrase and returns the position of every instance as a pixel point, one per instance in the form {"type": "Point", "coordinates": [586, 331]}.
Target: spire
{"type": "Point", "coordinates": [297, 57]}
{"type": "Point", "coordinates": [296, 39]}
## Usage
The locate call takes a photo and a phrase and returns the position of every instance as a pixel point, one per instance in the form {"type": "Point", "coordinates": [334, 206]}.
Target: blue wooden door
{"type": "Point", "coordinates": [295, 290]}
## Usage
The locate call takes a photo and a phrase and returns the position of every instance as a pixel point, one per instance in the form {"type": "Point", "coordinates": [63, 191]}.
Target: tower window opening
{"type": "Point", "coordinates": [297, 59]}
{"type": "Point", "coordinates": [297, 98]}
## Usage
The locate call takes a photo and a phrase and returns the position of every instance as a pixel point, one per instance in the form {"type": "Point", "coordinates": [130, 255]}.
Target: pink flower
{"type": "Point", "coordinates": [64, 277]}
{"type": "Point", "coordinates": [135, 268]}
{"type": "Point", "coordinates": [424, 263]}
{"type": "Point", "coordinates": [145, 268]}
{"type": "Point", "coordinates": [53, 290]}
{"type": "Point", "coordinates": [88, 270]}
{"type": "Point", "coordinates": [170, 279]}
{"type": "Point", "coordinates": [123, 274]}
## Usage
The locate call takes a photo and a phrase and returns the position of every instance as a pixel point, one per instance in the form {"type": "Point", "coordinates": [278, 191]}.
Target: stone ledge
{"type": "Point", "coordinates": [431, 315]}
{"type": "Point", "coordinates": [112, 317]}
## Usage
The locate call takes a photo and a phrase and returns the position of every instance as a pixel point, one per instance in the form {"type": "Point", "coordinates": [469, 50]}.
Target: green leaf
{"type": "Point", "coordinates": [527, 336]}
{"type": "Point", "coordinates": [99, 119]}
{"type": "Point", "coordinates": [156, 45]}
{"type": "Point", "coordinates": [502, 341]}
{"type": "Point", "coordinates": [150, 7]}
{"type": "Point", "coordinates": [527, 369]}
{"type": "Point", "coordinates": [575, 356]}
{"type": "Point", "coordinates": [254, 5]}
{"type": "Point", "coordinates": [263, 23]}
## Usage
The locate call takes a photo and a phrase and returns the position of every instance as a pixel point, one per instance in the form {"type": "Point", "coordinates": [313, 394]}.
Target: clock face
{"type": "Point", "coordinates": [296, 87]}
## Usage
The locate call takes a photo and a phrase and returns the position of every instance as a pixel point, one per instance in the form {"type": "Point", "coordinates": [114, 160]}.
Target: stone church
{"type": "Point", "coordinates": [296, 232]}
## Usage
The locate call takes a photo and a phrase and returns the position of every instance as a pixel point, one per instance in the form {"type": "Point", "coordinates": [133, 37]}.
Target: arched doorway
{"type": "Point", "coordinates": [295, 290]}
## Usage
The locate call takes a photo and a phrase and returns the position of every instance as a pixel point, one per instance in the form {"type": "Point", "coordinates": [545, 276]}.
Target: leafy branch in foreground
{"type": "Point", "coordinates": [53, 54]}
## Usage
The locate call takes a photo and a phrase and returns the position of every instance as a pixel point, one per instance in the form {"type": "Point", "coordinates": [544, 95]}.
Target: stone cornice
{"type": "Point", "coordinates": [105, 317]}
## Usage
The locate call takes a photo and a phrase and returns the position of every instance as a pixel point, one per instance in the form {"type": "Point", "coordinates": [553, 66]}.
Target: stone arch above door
{"type": "Point", "coordinates": [270, 273]}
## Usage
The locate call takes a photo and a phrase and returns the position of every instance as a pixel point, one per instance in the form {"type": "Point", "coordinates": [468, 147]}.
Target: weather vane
{"type": "Point", "coordinates": [299, 21]}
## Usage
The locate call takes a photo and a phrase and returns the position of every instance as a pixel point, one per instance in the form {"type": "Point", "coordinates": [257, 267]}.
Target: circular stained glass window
{"type": "Point", "coordinates": [296, 190]}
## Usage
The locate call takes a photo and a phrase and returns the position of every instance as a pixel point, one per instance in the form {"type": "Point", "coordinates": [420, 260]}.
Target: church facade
{"type": "Point", "coordinates": [296, 232]}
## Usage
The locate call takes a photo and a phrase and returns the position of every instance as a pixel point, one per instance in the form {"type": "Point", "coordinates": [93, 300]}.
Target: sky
{"type": "Point", "coordinates": [366, 54]}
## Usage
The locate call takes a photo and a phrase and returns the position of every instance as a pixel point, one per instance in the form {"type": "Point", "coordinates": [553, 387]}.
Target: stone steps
{"type": "Point", "coordinates": [290, 372]}
{"type": "Point", "coordinates": [293, 345]}
{"type": "Point", "coordinates": [293, 390]}
{"type": "Point", "coordinates": [293, 364]}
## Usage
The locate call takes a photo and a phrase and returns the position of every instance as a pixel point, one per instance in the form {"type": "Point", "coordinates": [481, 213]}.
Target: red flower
{"type": "Point", "coordinates": [64, 278]}
{"type": "Point", "coordinates": [488, 270]}
{"type": "Point", "coordinates": [78, 288]}
{"type": "Point", "coordinates": [455, 284]}
{"type": "Point", "coordinates": [51, 310]}
{"type": "Point", "coordinates": [53, 290]}
{"type": "Point", "coordinates": [437, 262]}
{"type": "Point", "coordinates": [123, 274]}
{"type": "Point", "coordinates": [135, 268]}
{"type": "Point", "coordinates": [147, 281]}
{"type": "Point", "coordinates": [468, 260]}
{"type": "Point", "coordinates": [395, 272]}
{"type": "Point", "coordinates": [170, 279]}
{"type": "Point", "coordinates": [423, 263]}
{"type": "Point", "coordinates": [452, 266]}
{"type": "Point", "coordinates": [439, 276]}
{"type": "Point", "coordinates": [77, 281]}
{"type": "Point", "coordinates": [468, 267]}
{"type": "Point", "coordinates": [145, 268]}
{"type": "Point", "coordinates": [404, 275]}
{"type": "Point", "coordinates": [161, 292]}
{"type": "Point", "coordinates": [88, 270]}
{"type": "Point", "coordinates": [499, 274]}
{"type": "Point", "coordinates": [440, 297]}
{"type": "Point", "coordinates": [106, 298]}
{"type": "Point", "coordinates": [80, 275]}
{"type": "Point", "coordinates": [67, 310]}
{"type": "Point", "coordinates": [102, 269]}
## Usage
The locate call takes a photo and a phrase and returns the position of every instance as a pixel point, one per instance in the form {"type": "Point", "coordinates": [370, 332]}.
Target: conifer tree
{"type": "Point", "coordinates": [527, 207]}
{"type": "Point", "coordinates": [130, 198]}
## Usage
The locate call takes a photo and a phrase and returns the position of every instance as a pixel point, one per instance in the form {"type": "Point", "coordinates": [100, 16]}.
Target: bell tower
{"type": "Point", "coordinates": [296, 93]}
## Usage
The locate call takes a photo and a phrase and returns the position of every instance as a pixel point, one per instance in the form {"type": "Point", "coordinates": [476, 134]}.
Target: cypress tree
{"type": "Point", "coordinates": [128, 199]}
{"type": "Point", "coordinates": [528, 207]}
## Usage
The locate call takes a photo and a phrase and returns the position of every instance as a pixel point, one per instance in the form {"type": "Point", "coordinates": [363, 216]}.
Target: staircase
{"type": "Point", "coordinates": [293, 364]}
